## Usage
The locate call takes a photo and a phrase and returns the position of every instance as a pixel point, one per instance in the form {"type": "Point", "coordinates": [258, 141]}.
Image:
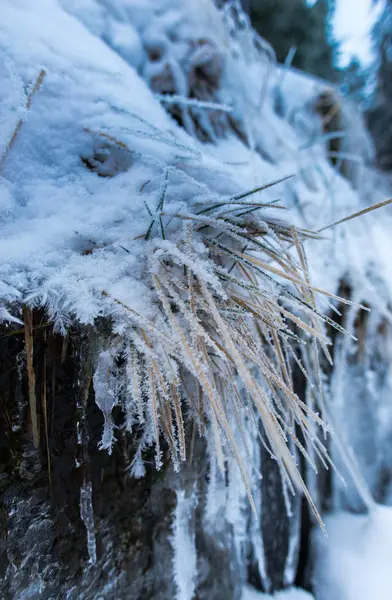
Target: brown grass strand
{"type": "Point", "coordinates": [364, 211]}
{"type": "Point", "coordinates": [29, 344]}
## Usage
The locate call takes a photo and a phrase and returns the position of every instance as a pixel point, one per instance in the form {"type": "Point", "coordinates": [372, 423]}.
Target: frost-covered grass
{"type": "Point", "coordinates": [197, 273]}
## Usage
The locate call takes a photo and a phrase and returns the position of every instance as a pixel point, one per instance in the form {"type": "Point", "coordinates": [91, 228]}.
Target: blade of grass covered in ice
{"type": "Point", "coordinates": [199, 370]}
{"type": "Point", "coordinates": [158, 211]}
{"type": "Point", "coordinates": [260, 266]}
{"type": "Point", "coordinates": [364, 211]}
{"type": "Point", "coordinates": [270, 423]}
{"type": "Point", "coordinates": [35, 89]}
{"type": "Point", "coordinates": [187, 290]}
{"type": "Point", "coordinates": [192, 102]}
{"type": "Point", "coordinates": [234, 199]}
{"type": "Point", "coordinates": [211, 319]}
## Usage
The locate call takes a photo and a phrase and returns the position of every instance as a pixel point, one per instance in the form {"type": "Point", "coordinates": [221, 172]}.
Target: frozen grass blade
{"type": "Point", "coordinates": [364, 211]}
{"type": "Point", "coordinates": [234, 199]}
{"type": "Point", "coordinates": [35, 89]}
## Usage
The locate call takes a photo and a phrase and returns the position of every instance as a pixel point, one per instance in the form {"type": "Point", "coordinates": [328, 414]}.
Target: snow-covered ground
{"type": "Point", "coordinates": [290, 594]}
{"type": "Point", "coordinates": [354, 562]}
{"type": "Point", "coordinates": [76, 243]}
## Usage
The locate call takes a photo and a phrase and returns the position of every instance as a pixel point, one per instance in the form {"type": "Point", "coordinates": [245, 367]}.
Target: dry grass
{"type": "Point", "coordinates": [236, 304]}
{"type": "Point", "coordinates": [360, 213]}
{"type": "Point", "coordinates": [28, 331]}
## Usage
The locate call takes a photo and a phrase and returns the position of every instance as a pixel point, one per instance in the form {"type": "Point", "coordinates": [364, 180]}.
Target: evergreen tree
{"type": "Point", "coordinates": [355, 81]}
{"type": "Point", "coordinates": [296, 24]}
{"type": "Point", "coordinates": [380, 113]}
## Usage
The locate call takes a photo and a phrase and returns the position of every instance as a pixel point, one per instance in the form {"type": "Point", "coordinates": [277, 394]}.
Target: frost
{"type": "Point", "coordinates": [6, 316]}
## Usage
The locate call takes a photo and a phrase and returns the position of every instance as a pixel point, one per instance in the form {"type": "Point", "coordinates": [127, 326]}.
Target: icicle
{"type": "Point", "coordinates": [82, 457]}
{"type": "Point", "coordinates": [290, 567]}
{"type": "Point", "coordinates": [105, 396]}
{"type": "Point", "coordinates": [183, 542]}
{"type": "Point", "coordinates": [216, 495]}
{"type": "Point", "coordinates": [87, 515]}
{"type": "Point", "coordinates": [237, 505]}
{"type": "Point", "coordinates": [256, 537]}
{"type": "Point", "coordinates": [138, 469]}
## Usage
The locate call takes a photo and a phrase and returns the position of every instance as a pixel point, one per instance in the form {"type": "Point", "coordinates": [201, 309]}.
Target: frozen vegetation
{"type": "Point", "coordinates": [166, 188]}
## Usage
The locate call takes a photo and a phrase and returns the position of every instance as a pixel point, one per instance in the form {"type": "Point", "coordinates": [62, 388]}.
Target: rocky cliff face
{"type": "Point", "coordinates": [141, 114]}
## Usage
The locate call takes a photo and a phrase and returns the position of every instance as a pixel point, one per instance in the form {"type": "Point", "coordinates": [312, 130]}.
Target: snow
{"type": "Point", "coordinates": [289, 594]}
{"type": "Point", "coordinates": [54, 211]}
{"type": "Point", "coordinates": [52, 205]}
{"type": "Point", "coordinates": [353, 563]}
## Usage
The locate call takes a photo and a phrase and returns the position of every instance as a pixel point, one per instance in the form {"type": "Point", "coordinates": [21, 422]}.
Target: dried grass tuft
{"type": "Point", "coordinates": [236, 305]}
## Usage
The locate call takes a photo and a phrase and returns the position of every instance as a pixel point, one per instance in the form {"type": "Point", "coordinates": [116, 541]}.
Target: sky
{"type": "Point", "coordinates": [352, 23]}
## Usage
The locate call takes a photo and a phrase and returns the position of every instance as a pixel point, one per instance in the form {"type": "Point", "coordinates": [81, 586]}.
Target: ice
{"type": "Point", "coordinates": [87, 515]}
{"type": "Point", "coordinates": [183, 542]}
{"type": "Point", "coordinates": [106, 394]}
